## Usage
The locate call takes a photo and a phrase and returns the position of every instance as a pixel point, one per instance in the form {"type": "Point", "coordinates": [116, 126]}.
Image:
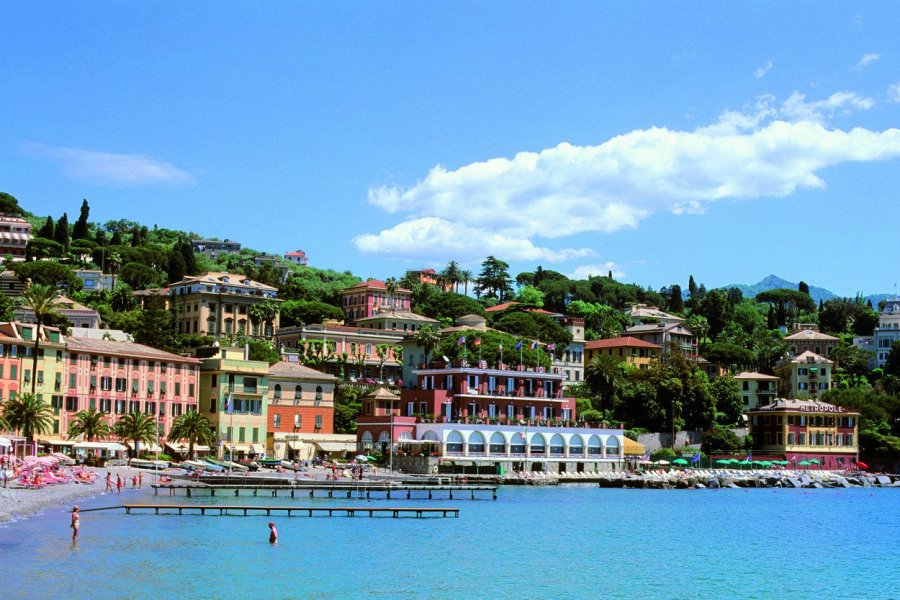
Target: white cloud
{"type": "Point", "coordinates": [585, 271]}
{"type": "Point", "coordinates": [894, 92]}
{"type": "Point", "coordinates": [433, 238]}
{"type": "Point", "coordinates": [797, 108]}
{"type": "Point", "coordinates": [866, 59]}
{"type": "Point", "coordinates": [501, 206]}
{"type": "Point", "coordinates": [107, 168]}
{"type": "Point", "coordinates": [760, 72]}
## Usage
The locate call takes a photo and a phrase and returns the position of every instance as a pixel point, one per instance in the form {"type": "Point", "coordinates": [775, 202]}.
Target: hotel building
{"type": "Point", "coordinates": [806, 430]}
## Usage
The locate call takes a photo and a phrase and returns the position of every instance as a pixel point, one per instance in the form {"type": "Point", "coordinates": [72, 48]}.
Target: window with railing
{"type": "Point", "coordinates": [318, 395]}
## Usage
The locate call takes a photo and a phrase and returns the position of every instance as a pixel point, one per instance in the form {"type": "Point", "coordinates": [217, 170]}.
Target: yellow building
{"type": "Point", "coordinates": [220, 303]}
{"type": "Point", "coordinates": [629, 350]}
{"type": "Point", "coordinates": [51, 366]}
{"type": "Point", "coordinates": [234, 396]}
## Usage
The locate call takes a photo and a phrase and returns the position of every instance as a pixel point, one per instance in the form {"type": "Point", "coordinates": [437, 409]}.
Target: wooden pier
{"type": "Point", "coordinates": [309, 511]}
{"type": "Point", "coordinates": [369, 491]}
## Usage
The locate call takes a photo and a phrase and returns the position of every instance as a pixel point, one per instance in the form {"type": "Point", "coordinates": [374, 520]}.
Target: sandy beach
{"type": "Point", "coordinates": [17, 502]}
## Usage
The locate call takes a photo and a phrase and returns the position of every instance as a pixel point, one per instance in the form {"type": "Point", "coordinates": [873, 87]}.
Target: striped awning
{"type": "Point", "coordinates": [632, 448]}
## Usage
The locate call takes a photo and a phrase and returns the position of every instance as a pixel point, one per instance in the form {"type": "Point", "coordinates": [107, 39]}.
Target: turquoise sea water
{"type": "Point", "coordinates": [565, 542]}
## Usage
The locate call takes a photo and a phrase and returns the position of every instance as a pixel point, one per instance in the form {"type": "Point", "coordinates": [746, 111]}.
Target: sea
{"type": "Point", "coordinates": [570, 541]}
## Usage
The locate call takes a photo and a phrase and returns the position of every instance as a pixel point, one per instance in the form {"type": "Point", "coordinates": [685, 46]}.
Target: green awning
{"type": "Point", "coordinates": [134, 386]}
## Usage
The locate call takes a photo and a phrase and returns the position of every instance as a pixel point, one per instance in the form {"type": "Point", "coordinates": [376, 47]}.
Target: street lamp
{"type": "Point", "coordinates": [391, 443]}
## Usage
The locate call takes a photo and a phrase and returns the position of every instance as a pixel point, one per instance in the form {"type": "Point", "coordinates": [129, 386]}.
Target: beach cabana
{"type": "Point", "coordinates": [103, 450]}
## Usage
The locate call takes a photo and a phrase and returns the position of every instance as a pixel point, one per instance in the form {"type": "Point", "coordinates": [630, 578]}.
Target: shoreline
{"type": "Point", "coordinates": [17, 503]}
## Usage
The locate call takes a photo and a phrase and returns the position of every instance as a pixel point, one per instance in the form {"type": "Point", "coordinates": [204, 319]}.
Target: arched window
{"type": "Point", "coordinates": [538, 444]}
{"type": "Point", "coordinates": [454, 442]}
{"type": "Point", "coordinates": [557, 445]}
{"type": "Point", "coordinates": [384, 437]}
{"type": "Point", "coordinates": [405, 435]}
{"type": "Point", "coordinates": [517, 444]}
{"type": "Point", "coordinates": [612, 446]}
{"type": "Point", "coordinates": [576, 446]}
{"type": "Point", "coordinates": [277, 392]}
{"type": "Point", "coordinates": [476, 443]}
{"type": "Point", "coordinates": [318, 394]}
{"type": "Point", "coordinates": [498, 443]}
{"type": "Point", "coordinates": [298, 392]}
{"type": "Point", "coordinates": [595, 446]}
{"type": "Point", "coordinates": [430, 435]}
{"type": "Point", "coordinates": [367, 440]}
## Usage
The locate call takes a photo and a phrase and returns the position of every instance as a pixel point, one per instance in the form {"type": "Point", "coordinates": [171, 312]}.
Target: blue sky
{"type": "Point", "coordinates": [657, 140]}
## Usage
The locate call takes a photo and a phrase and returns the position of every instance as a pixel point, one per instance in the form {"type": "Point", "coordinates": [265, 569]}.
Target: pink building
{"type": "Point", "coordinates": [366, 299]}
{"type": "Point", "coordinates": [10, 361]}
{"type": "Point", "coordinates": [123, 377]}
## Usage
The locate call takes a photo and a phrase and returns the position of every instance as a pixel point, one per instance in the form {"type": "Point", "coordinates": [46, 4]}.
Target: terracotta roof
{"type": "Point", "coordinates": [809, 334]}
{"type": "Point", "coordinates": [752, 375]}
{"type": "Point", "coordinates": [296, 370]}
{"type": "Point", "coordinates": [130, 349]}
{"type": "Point", "coordinates": [217, 278]}
{"type": "Point", "coordinates": [382, 393]}
{"type": "Point", "coordinates": [802, 358]}
{"type": "Point", "coordinates": [295, 253]}
{"type": "Point", "coordinates": [620, 342]}
{"type": "Point", "coordinates": [499, 307]}
{"type": "Point", "coordinates": [400, 314]}
{"type": "Point", "coordinates": [373, 283]}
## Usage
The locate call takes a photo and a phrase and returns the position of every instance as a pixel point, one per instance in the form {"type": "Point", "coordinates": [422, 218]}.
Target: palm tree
{"type": "Point", "coordinates": [391, 286]}
{"type": "Point", "coordinates": [115, 261]}
{"type": "Point", "coordinates": [428, 338]}
{"type": "Point", "coordinates": [28, 415]}
{"type": "Point", "coordinates": [452, 272]}
{"type": "Point", "coordinates": [90, 423]}
{"type": "Point", "coordinates": [603, 377]}
{"type": "Point", "coordinates": [264, 313]}
{"type": "Point", "coordinates": [41, 300]}
{"type": "Point", "coordinates": [466, 276]}
{"type": "Point", "coordinates": [193, 427]}
{"type": "Point", "coordinates": [136, 427]}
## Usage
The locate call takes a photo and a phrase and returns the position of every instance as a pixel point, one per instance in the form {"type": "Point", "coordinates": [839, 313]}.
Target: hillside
{"type": "Point", "coordinates": [817, 293]}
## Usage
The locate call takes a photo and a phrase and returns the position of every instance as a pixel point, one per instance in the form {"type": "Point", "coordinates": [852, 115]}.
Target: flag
{"type": "Point", "coordinates": [551, 347]}
{"type": "Point", "coordinates": [519, 345]}
{"type": "Point", "coordinates": [695, 458]}
{"type": "Point", "coordinates": [228, 404]}
{"type": "Point", "coordinates": [477, 341]}
{"type": "Point", "coordinates": [534, 345]}
{"type": "Point", "coordinates": [749, 458]}
{"type": "Point", "coordinates": [461, 341]}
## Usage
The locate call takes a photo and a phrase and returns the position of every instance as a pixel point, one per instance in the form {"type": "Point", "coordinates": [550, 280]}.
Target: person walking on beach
{"type": "Point", "coordinates": [273, 533]}
{"type": "Point", "coordinates": [76, 522]}
{"type": "Point", "coordinates": [134, 482]}
{"type": "Point", "coordinates": [119, 483]}
{"type": "Point", "coordinates": [140, 480]}
{"type": "Point", "coordinates": [108, 481]}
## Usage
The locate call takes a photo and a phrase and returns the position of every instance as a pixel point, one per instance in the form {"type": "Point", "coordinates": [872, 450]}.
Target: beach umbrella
{"type": "Point", "coordinates": [804, 463]}
{"type": "Point", "coordinates": [679, 461]}
{"type": "Point", "coordinates": [734, 461]}
{"type": "Point", "coordinates": [765, 463]}
{"type": "Point", "coordinates": [362, 457]}
{"type": "Point", "coordinates": [370, 457]}
{"type": "Point", "coordinates": [725, 461]}
{"type": "Point", "coordinates": [814, 461]}
{"type": "Point", "coordinates": [862, 465]}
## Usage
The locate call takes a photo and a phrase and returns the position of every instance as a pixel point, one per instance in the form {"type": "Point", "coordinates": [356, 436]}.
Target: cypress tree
{"type": "Point", "coordinates": [116, 238]}
{"type": "Point", "coordinates": [80, 229]}
{"type": "Point", "coordinates": [61, 233]}
{"type": "Point", "coordinates": [177, 269]}
{"type": "Point", "coordinates": [46, 231]}
{"type": "Point", "coordinates": [187, 253]}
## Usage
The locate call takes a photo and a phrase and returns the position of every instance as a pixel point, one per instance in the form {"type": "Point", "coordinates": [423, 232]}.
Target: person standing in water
{"type": "Point", "coordinates": [76, 522]}
{"type": "Point", "coordinates": [273, 533]}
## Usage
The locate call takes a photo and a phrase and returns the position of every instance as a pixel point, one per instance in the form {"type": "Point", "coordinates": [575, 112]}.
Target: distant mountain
{"type": "Point", "coordinates": [773, 282]}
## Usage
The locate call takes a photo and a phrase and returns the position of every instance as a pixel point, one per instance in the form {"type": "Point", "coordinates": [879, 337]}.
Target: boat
{"type": "Point", "coordinates": [225, 464]}
{"type": "Point", "coordinates": [196, 465]}
{"type": "Point", "coordinates": [270, 463]}
{"type": "Point", "coordinates": [141, 463]}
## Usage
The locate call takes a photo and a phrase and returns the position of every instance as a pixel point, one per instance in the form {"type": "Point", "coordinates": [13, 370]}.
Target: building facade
{"type": "Point", "coordinates": [368, 298]}
{"type": "Point", "coordinates": [805, 375]}
{"type": "Point", "coordinates": [665, 335]}
{"type": "Point", "coordinates": [301, 401]}
{"type": "Point", "coordinates": [357, 354]}
{"type": "Point", "coordinates": [887, 332]}
{"type": "Point", "coordinates": [757, 389]}
{"type": "Point", "coordinates": [234, 396]}
{"type": "Point", "coordinates": [79, 315]}
{"type": "Point", "coordinates": [806, 430]}
{"type": "Point", "coordinates": [15, 233]}
{"type": "Point", "coordinates": [497, 418]}
{"type": "Point", "coordinates": [296, 257]}
{"type": "Point", "coordinates": [811, 340]}
{"type": "Point", "coordinates": [626, 349]}
{"type": "Point", "coordinates": [95, 280]}
{"type": "Point", "coordinates": [220, 303]}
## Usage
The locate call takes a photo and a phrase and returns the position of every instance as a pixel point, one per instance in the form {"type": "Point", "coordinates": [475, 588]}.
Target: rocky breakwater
{"type": "Point", "coordinates": [721, 478]}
